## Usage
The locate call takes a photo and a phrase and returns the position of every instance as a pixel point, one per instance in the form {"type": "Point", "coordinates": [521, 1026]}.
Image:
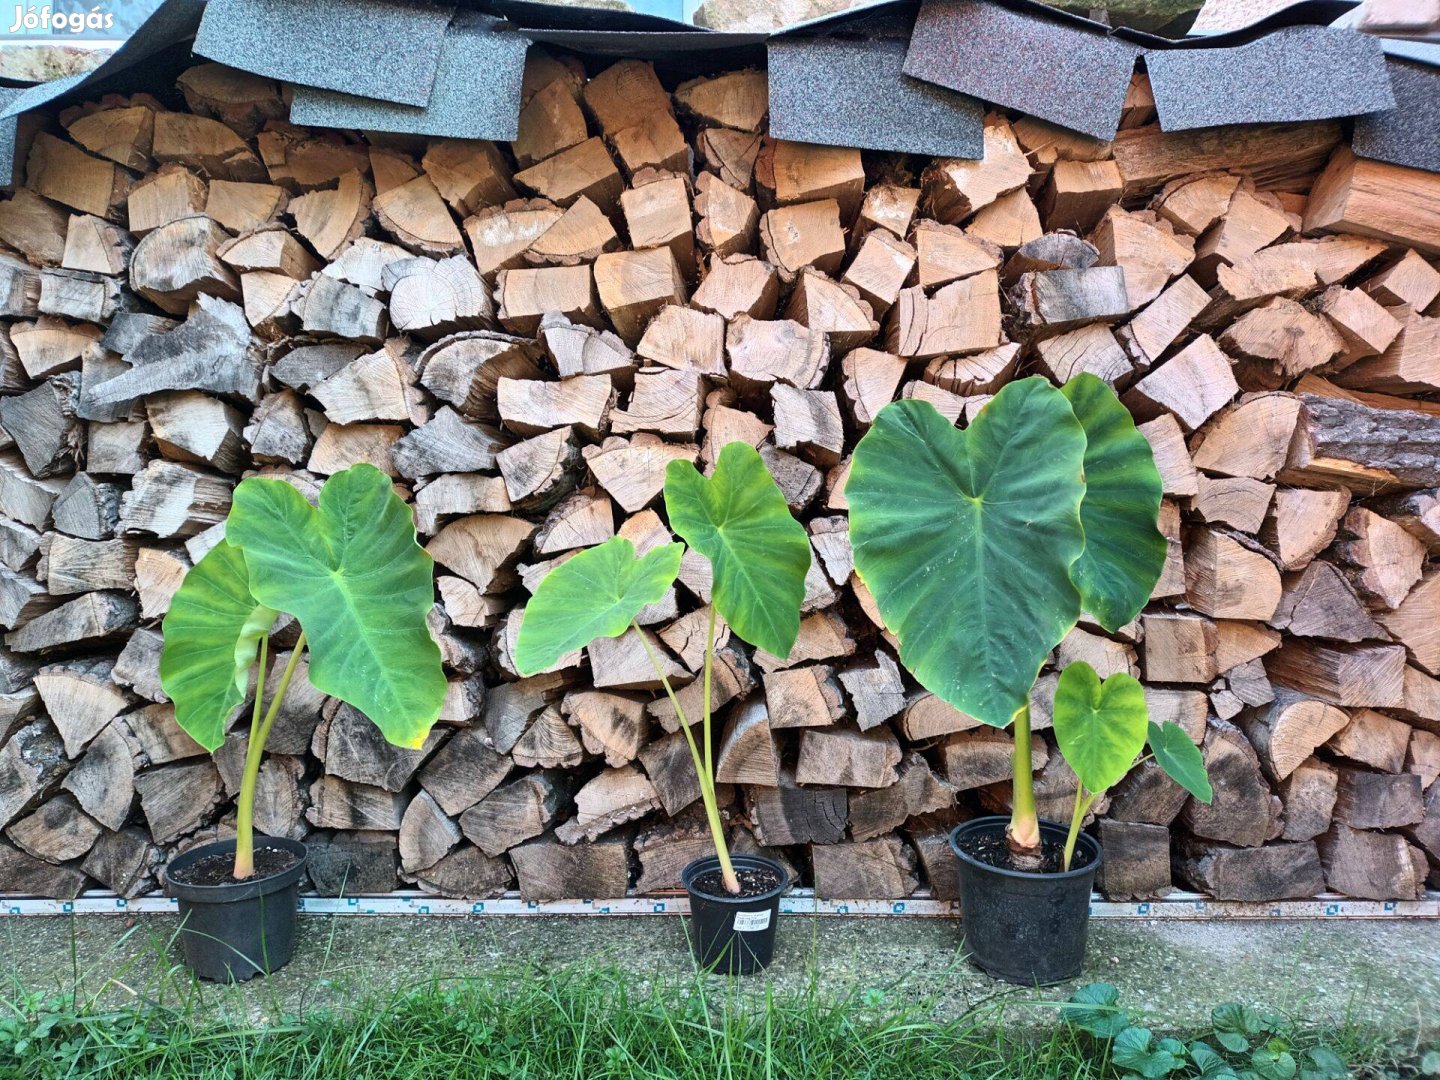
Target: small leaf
{"type": "Point", "coordinates": [594, 594]}
{"type": "Point", "coordinates": [1182, 761]}
{"type": "Point", "coordinates": [1328, 1065]}
{"type": "Point", "coordinates": [759, 553]}
{"type": "Point", "coordinates": [212, 636]}
{"type": "Point", "coordinates": [1211, 1064]}
{"type": "Point", "coordinates": [1273, 1064]}
{"type": "Point", "coordinates": [1100, 726]}
{"type": "Point", "coordinates": [1234, 1022]}
{"type": "Point", "coordinates": [1092, 1008]}
{"type": "Point", "coordinates": [360, 585]}
{"type": "Point", "coordinates": [1132, 1050]}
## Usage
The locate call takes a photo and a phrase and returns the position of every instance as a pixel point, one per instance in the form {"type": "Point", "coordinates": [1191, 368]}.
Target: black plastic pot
{"type": "Point", "coordinates": [1020, 927]}
{"type": "Point", "coordinates": [235, 931]}
{"type": "Point", "coordinates": [730, 934]}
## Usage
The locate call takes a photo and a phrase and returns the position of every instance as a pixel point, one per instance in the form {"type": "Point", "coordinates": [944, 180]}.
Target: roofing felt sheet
{"type": "Point", "coordinates": [385, 49]}
{"type": "Point", "coordinates": [172, 21]}
{"type": "Point", "coordinates": [853, 92]}
{"type": "Point", "coordinates": [1409, 134]}
{"type": "Point", "coordinates": [1298, 73]}
{"type": "Point", "coordinates": [1054, 70]}
{"type": "Point", "coordinates": [476, 93]}
{"type": "Point", "coordinates": [571, 16]}
{"type": "Point", "coordinates": [647, 44]}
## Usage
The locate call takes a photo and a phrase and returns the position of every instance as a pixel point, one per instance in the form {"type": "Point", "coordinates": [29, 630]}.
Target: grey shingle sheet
{"type": "Point", "coordinates": [386, 49]}
{"type": "Point", "coordinates": [476, 93]}
{"type": "Point", "coordinates": [172, 21]}
{"type": "Point", "coordinates": [1297, 73]}
{"type": "Point", "coordinates": [1409, 134]}
{"type": "Point", "coordinates": [9, 132]}
{"type": "Point", "coordinates": [843, 91]}
{"type": "Point", "coordinates": [1055, 70]}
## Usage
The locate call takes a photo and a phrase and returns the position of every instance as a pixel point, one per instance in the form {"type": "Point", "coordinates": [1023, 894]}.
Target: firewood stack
{"type": "Point", "coordinates": [525, 335]}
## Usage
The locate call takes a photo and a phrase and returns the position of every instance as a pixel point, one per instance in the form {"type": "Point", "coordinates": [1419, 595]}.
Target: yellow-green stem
{"type": "Point", "coordinates": [1024, 832]}
{"type": "Point", "coordinates": [702, 764]}
{"type": "Point", "coordinates": [254, 753]}
{"type": "Point", "coordinates": [709, 663]}
{"type": "Point", "coordinates": [1082, 804]}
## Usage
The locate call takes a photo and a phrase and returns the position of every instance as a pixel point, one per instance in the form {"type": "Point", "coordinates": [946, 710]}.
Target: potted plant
{"type": "Point", "coordinates": [353, 577]}
{"type": "Point", "coordinates": [982, 547]}
{"type": "Point", "coordinates": [759, 555]}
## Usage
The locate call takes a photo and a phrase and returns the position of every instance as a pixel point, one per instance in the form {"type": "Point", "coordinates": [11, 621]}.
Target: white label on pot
{"type": "Point", "coordinates": [751, 920]}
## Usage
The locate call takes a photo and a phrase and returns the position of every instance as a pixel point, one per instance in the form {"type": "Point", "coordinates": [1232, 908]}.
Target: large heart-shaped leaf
{"type": "Point", "coordinates": [1181, 759]}
{"type": "Point", "coordinates": [595, 594]}
{"type": "Point", "coordinates": [1100, 726]}
{"type": "Point", "coordinates": [1124, 551]}
{"type": "Point", "coordinates": [360, 585]}
{"type": "Point", "coordinates": [212, 633]}
{"type": "Point", "coordinates": [966, 538]}
{"type": "Point", "coordinates": [759, 553]}
{"type": "Point", "coordinates": [1133, 1050]}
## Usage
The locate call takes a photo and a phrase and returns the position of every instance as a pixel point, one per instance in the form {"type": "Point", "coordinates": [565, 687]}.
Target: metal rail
{"type": "Point", "coordinates": [1176, 906]}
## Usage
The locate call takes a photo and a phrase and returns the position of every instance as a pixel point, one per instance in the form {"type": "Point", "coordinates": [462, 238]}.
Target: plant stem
{"type": "Point", "coordinates": [709, 663]}
{"type": "Point", "coordinates": [1082, 804]}
{"type": "Point", "coordinates": [1023, 836]}
{"type": "Point", "coordinates": [254, 753]}
{"type": "Point", "coordinates": [703, 770]}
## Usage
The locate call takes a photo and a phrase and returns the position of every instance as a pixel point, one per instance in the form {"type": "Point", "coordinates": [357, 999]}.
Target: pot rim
{"type": "Point", "coordinates": [696, 867]}
{"type": "Point", "coordinates": [234, 891]}
{"type": "Point", "coordinates": [1060, 832]}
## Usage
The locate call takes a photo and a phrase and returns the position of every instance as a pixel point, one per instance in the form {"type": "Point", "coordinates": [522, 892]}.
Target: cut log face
{"type": "Point", "coordinates": [525, 337]}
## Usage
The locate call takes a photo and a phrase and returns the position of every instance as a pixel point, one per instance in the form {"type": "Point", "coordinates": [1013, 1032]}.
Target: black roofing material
{"type": "Point", "coordinates": [172, 21]}
{"type": "Point", "coordinates": [549, 16]}
{"type": "Point", "coordinates": [1053, 70]}
{"type": "Point", "coordinates": [703, 51]}
{"type": "Point", "coordinates": [386, 49]}
{"type": "Point", "coordinates": [1410, 134]}
{"type": "Point", "coordinates": [476, 93]}
{"type": "Point", "coordinates": [853, 92]}
{"type": "Point", "coordinates": [1298, 73]}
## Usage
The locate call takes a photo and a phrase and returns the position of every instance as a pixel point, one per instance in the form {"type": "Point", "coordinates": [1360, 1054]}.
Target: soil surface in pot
{"type": "Point", "coordinates": [219, 869]}
{"type": "Point", "coordinates": [753, 882]}
{"type": "Point", "coordinates": [991, 849]}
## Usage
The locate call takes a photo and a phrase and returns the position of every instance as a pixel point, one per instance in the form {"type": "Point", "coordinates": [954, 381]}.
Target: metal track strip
{"type": "Point", "coordinates": [1178, 905]}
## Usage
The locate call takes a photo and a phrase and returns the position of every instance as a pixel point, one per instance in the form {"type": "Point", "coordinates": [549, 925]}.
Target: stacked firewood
{"type": "Point", "coordinates": [525, 335]}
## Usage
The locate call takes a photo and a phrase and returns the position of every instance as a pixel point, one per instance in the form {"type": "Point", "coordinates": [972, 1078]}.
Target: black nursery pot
{"type": "Point", "coordinates": [730, 934]}
{"type": "Point", "coordinates": [1020, 927]}
{"type": "Point", "coordinates": [235, 931]}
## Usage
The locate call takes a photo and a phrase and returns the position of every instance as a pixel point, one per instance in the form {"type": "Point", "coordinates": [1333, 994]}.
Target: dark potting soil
{"type": "Point", "coordinates": [753, 882]}
{"type": "Point", "coordinates": [219, 869]}
{"type": "Point", "coordinates": [992, 850]}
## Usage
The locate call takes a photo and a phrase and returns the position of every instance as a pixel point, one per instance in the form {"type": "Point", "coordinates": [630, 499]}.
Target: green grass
{"type": "Point", "coordinates": [584, 1021]}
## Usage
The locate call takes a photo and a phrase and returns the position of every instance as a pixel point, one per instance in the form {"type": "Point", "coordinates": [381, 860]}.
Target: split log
{"type": "Point", "coordinates": [788, 814]}
{"type": "Point", "coordinates": [549, 870]}
{"type": "Point", "coordinates": [1255, 875]}
{"type": "Point", "coordinates": [981, 756]}
{"type": "Point", "coordinates": [1370, 865]}
{"type": "Point", "coordinates": [1347, 675]}
{"type": "Point", "coordinates": [1320, 602]}
{"type": "Point", "coordinates": [1137, 860]}
{"type": "Point", "coordinates": [1386, 560]}
{"type": "Point", "coordinates": [515, 812]}
{"type": "Point", "coordinates": [869, 869]}
{"type": "Point", "coordinates": [1286, 733]}
{"type": "Point", "coordinates": [1244, 812]}
{"type": "Point", "coordinates": [353, 863]}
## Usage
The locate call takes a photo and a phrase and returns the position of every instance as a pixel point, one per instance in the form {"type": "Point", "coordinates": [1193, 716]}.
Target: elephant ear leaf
{"type": "Point", "coordinates": [360, 585]}
{"type": "Point", "coordinates": [966, 538]}
{"type": "Point", "coordinates": [1124, 551]}
{"type": "Point", "coordinates": [1181, 759]}
{"type": "Point", "coordinates": [758, 552]}
{"type": "Point", "coordinates": [594, 594]}
{"type": "Point", "coordinates": [1100, 726]}
{"type": "Point", "coordinates": [212, 633]}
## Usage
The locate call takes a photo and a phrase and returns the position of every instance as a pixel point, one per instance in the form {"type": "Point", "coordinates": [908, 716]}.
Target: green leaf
{"type": "Point", "coordinates": [1210, 1063]}
{"type": "Point", "coordinates": [966, 539]}
{"type": "Point", "coordinates": [594, 594]}
{"type": "Point", "coordinates": [738, 519]}
{"type": "Point", "coordinates": [1233, 1022]}
{"type": "Point", "coordinates": [1100, 726]}
{"type": "Point", "coordinates": [1182, 761]}
{"type": "Point", "coordinates": [1273, 1064]}
{"type": "Point", "coordinates": [1124, 550]}
{"type": "Point", "coordinates": [1325, 1064]}
{"type": "Point", "coordinates": [1092, 1008]}
{"type": "Point", "coordinates": [1132, 1050]}
{"type": "Point", "coordinates": [360, 585]}
{"type": "Point", "coordinates": [212, 635]}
